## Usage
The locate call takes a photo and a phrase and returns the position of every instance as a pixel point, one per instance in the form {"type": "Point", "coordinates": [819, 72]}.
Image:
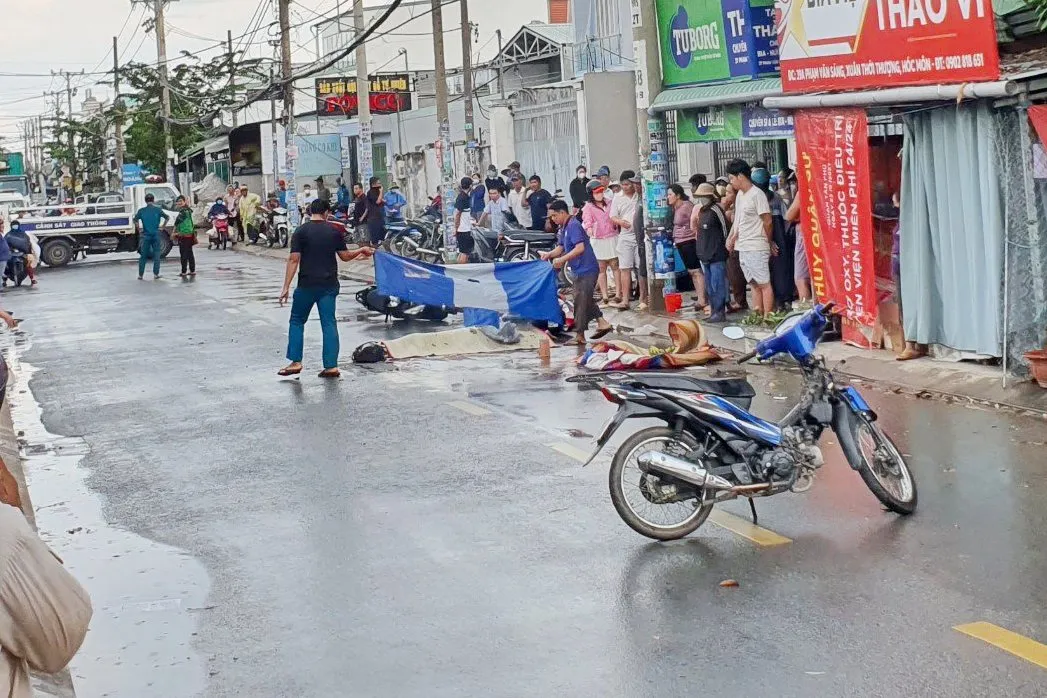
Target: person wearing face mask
{"type": "Point", "coordinates": [709, 221]}
{"type": "Point", "coordinates": [494, 181]}
{"type": "Point", "coordinates": [596, 221]}
{"type": "Point", "coordinates": [577, 190]}
{"type": "Point", "coordinates": [477, 197]}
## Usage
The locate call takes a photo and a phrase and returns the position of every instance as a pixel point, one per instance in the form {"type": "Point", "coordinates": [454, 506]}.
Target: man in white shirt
{"type": "Point", "coordinates": [307, 197]}
{"type": "Point", "coordinates": [516, 202]}
{"type": "Point", "coordinates": [623, 212]}
{"type": "Point", "coordinates": [494, 211]}
{"type": "Point", "coordinates": [752, 234]}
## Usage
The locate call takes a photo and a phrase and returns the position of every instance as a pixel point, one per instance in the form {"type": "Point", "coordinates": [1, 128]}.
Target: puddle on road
{"type": "Point", "coordinates": [144, 594]}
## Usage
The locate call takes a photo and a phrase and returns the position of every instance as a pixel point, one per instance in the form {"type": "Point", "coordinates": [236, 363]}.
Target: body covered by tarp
{"type": "Point", "coordinates": [522, 289]}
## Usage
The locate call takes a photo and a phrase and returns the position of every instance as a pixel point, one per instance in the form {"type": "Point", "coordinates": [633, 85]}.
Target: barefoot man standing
{"type": "Point", "coordinates": [316, 248]}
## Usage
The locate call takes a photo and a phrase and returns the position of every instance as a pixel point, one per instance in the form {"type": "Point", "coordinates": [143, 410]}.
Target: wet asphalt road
{"type": "Point", "coordinates": [244, 535]}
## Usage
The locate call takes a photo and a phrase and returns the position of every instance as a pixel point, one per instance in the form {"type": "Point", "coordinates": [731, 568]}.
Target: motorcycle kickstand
{"type": "Point", "coordinates": [752, 508]}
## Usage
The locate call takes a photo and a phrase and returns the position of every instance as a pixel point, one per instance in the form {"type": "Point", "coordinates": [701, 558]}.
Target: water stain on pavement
{"type": "Point", "coordinates": [144, 593]}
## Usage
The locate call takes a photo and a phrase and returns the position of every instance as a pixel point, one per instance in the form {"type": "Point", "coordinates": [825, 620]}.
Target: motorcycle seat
{"type": "Point", "coordinates": [530, 236]}
{"type": "Point", "coordinates": [724, 387]}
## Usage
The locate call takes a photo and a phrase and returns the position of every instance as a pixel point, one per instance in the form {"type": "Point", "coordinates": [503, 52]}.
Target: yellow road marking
{"type": "Point", "coordinates": [1018, 645]}
{"type": "Point", "coordinates": [469, 408]}
{"type": "Point", "coordinates": [746, 529]}
{"type": "Point", "coordinates": [571, 451]}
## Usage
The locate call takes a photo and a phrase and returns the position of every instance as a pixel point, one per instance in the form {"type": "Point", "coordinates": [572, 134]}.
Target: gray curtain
{"type": "Point", "coordinates": [952, 229]}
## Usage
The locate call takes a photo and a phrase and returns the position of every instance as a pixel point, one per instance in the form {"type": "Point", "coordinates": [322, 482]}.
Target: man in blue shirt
{"type": "Point", "coordinates": [345, 199]}
{"type": "Point", "coordinates": [150, 217]}
{"type": "Point", "coordinates": [394, 203]}
{"type": "Point", "coordinates": [537, 199]}
{"type": "Point", "coordinates": [575, 251]}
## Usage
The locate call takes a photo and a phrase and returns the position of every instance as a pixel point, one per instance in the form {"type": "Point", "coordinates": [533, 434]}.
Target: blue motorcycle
{"type": "Point", "coordinates": [665, 480]}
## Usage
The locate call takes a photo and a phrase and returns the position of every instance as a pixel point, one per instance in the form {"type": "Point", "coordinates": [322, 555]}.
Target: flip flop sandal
{"type": "Point", "coordinates": [600, 334]}
{"type": "Point", "coordinates": [288, 371]}
{"type": "Point", "coordinates": [330, 373]}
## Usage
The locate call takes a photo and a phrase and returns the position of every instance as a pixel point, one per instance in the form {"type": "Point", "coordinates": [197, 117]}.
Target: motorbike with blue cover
{"type": "Point", "coordinates": [665, 480]}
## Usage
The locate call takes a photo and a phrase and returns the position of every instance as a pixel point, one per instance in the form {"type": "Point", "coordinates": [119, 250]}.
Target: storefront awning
{"type": "Point", "coordinates": [738, 92]}
{"type": "Point", "coordinates": [894, 95]}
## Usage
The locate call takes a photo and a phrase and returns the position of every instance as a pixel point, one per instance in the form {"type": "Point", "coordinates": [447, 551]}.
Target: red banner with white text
{"type": "Point", "coordinates": [832, 148]}
{"type": "Point", "coordinates": [832, 45]}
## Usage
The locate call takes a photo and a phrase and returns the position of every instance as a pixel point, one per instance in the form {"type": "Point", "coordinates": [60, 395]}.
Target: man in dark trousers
{"type": "Point", "coordinates": [577, 190]}
{"type": "Point", "coordinates": [151, 219]}
{"type": "Point", "coordinates": [316, 248]}
{"type": "Point", "coordinates": [376, 212]}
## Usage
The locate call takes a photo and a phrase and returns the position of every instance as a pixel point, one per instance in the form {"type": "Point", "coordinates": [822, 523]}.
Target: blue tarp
{"type": "Point", "coordinates": [522, 289]}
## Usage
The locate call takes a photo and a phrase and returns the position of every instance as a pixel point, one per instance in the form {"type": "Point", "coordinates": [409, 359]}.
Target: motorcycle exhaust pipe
{"type": "Point", "coordinates": [683, 470]}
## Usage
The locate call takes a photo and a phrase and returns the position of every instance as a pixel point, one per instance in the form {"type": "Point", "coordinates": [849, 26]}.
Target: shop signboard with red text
{"type": "Point", "coordinates": [831, 45]}
{"type": "Point", "coordinates": [832, 150]}
{"type": "Point", "coordinates": [389, 94]}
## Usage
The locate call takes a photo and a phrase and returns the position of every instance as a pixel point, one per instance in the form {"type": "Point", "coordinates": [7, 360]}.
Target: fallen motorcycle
{"type": "Point", "coordinates": [665, 480]}
{"type": "Point", "coordinates": [389, 306]}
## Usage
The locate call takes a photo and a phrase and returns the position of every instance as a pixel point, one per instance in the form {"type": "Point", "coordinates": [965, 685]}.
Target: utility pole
{"type": "Point", "coordinates": [363, 98]}
{"type": "Point", "coordinates": [467, 89]}
{"type": "Point", "coordinates": [444, 153]}
{"type": "Point", "coordinates": [654, 163]}
{"type": "Point", "coordinates": [501, 84]}
{"type": "Point", "coordinates": [165, 95]}
{"type": "Point", "coordinates": [72, 136]}
{"type": "Point", "coordinates": [290, 148]}
{"type": "Point", "coordinates": [41, 175]}
{"type": "Point", "coordinates": [161, 58]}
{"type": "Point", "coordinates": [230, 68]}
{"type": "Point", "coordinates": [272, 122]}
{"type": "Point", "coordinates": [118, 122]}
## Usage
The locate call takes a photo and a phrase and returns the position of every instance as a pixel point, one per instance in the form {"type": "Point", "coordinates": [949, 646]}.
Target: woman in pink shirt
{"type": "Point", "coordinates": [603, 235]}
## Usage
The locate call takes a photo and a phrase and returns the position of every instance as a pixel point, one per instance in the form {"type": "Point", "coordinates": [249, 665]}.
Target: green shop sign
{"type": "Point", "coordinates": [709, 124]}
{"type": "Point", "coordinates": [710, 40]}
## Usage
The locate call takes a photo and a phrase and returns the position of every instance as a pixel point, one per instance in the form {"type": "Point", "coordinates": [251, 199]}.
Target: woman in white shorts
{"type": "Point", "coordinates": [603, 236]}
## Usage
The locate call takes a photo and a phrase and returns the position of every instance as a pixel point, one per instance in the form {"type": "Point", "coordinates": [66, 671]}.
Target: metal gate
{"type": "Point", "coordinates": [545, 126]}
{"type": "Point", "coordinates": [750, 151]}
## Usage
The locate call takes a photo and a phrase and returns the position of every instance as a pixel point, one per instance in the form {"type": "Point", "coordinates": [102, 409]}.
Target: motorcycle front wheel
{"type": "Point", "coordinates": [881, 465]}
{"type": "Point", "coordinates": [653, 507]}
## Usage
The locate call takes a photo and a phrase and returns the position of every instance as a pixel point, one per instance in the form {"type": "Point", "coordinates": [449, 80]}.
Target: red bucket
{"type": "Point", "coordinates": [673, 302]}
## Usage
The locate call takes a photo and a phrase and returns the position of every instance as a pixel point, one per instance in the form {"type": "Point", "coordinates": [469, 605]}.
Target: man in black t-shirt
{"type": "Point", "coordinates": [463, 222]}
{"type": "Point", "coordinates": [316, 248]}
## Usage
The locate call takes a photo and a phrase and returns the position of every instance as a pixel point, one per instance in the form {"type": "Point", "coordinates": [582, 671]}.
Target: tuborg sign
{"type": "Point", "coordinates": [714, 40]}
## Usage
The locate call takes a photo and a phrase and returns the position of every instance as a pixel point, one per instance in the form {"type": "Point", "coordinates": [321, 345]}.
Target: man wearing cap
{"type": "Point", "coordinates": [709, 221]}
{"type": "Point", "coordinates": [517, 206]}
{"type": "Point", "coordinates": [322, 192]}
{"type": "Point", "coordinates": [604, 175]}
{"type": "Point", "coordinates": [494, 181]}
{"type": "Point", "coordinates": [463, 221]}
{"type": "Point", "coordinates": [623, 212]}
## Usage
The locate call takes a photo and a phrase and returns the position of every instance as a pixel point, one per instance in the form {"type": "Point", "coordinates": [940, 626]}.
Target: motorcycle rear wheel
{"type": "Point", "coordinates": [624, 468]}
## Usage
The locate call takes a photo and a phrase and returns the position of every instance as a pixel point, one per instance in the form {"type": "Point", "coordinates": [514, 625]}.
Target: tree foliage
{"type": "Point", "coordinates": [198, 90]}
